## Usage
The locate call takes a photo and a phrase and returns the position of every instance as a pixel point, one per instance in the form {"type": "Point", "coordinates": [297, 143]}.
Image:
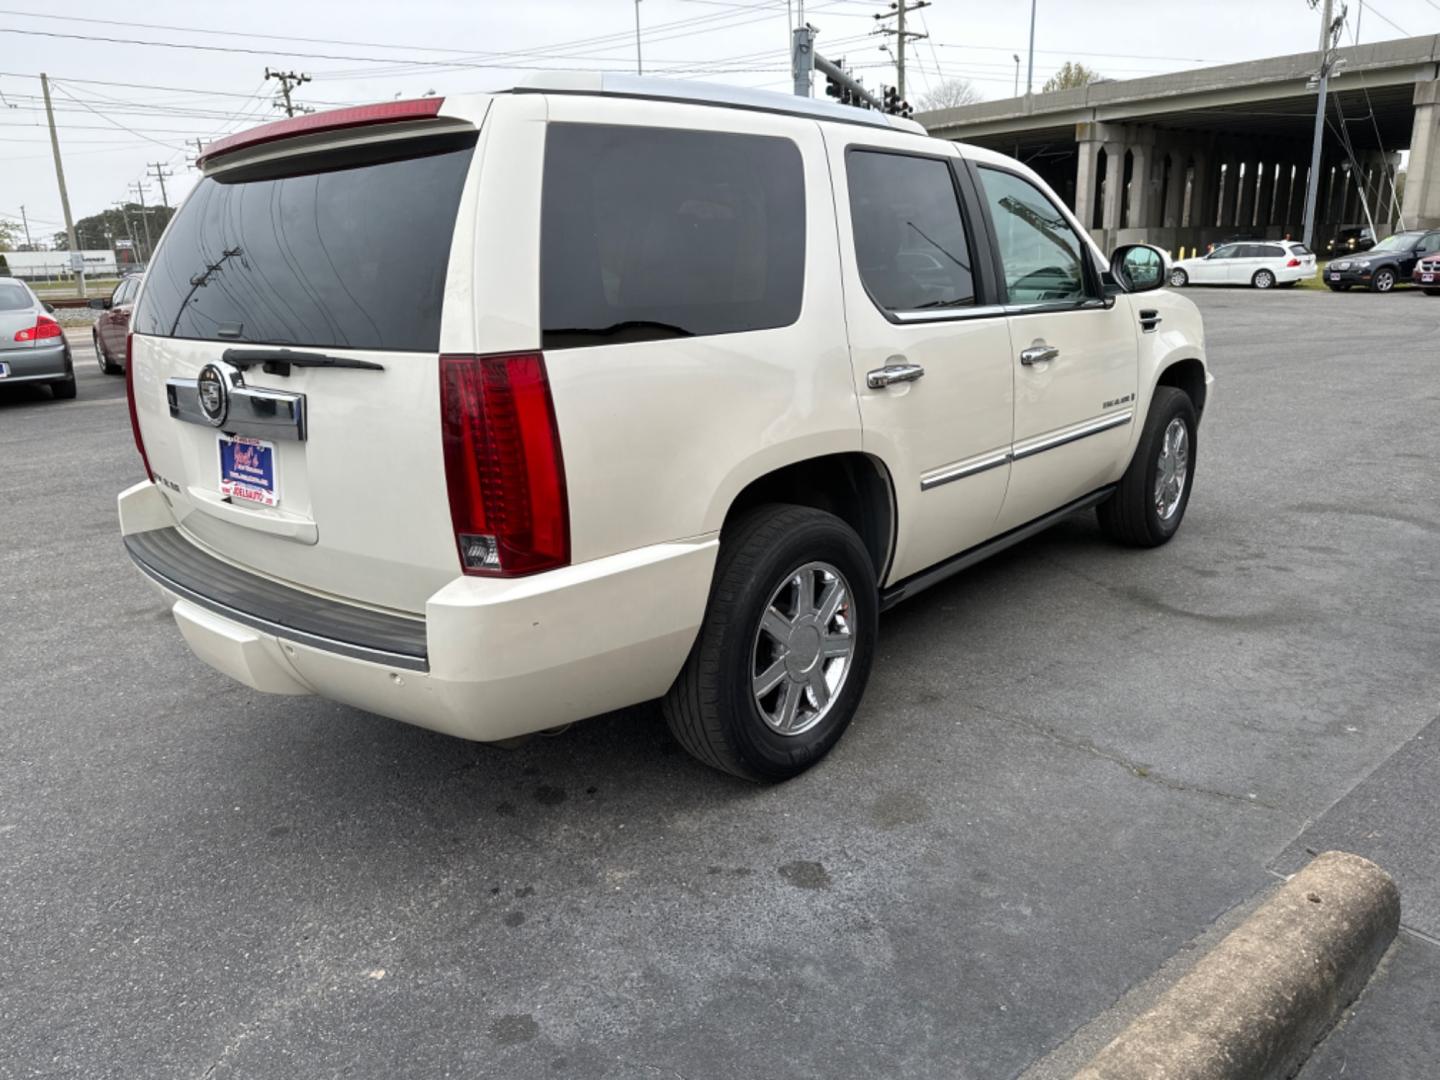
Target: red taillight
{"type": "Point", "coordinates": [130, 400]}
{"type": "Point", "coordinates": [45, 327]}
{"type": "Point", "coordinates": [502, 464]}
{"type": "Point", "coordinates": [333, 120]}
{"type": "Point", "coordinates": [1293, 262]}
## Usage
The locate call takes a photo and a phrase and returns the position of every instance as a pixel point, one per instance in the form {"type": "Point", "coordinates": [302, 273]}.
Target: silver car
{"type": "Point", "coordinates": [33, 348]}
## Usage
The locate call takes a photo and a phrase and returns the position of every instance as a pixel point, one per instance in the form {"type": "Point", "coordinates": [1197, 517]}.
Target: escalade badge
{"type": "Point", "coordinates": [213, 393]}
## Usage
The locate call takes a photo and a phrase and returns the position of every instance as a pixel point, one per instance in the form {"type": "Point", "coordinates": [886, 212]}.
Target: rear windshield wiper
{"type": "Point", "coordinates": [280, 361]}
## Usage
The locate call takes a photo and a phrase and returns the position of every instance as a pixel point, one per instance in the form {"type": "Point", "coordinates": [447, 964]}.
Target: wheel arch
{"type": "Point", "coordinates": [1186, 374]}
{"type": "Point", "coordinates": [854, 486]}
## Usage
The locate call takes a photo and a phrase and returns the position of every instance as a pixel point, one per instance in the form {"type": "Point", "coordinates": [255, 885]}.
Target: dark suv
{"type": "Point", "coordinates": [1385, 265]}
{"type": "Point", "coordinates": [1350, 241]}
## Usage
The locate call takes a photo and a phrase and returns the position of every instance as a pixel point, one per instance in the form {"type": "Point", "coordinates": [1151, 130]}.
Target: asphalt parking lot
{"type": "Point", "coordinates": [1071, 762]}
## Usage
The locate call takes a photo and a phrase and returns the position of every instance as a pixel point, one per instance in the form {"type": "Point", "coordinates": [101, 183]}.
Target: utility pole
{"type": "Point", "coordinates": [802, 58]}
{"type": "Point", "coordinates": [1328, 31]}
{"type": "Point", "coordinates": [289, 81]}
{"type": "Point", "coordinates": [639, 70]}
{"type": "Point", "coordinates": [64, 195]}
{"type": "Point", "coordinates": [139, 187]}
{"type": "Point", "coordinates": [161, 174]}
{"type": "Point", "coordinates": [898, 9]}
{"type": "Point", "coordinates": [1030, 71]}
{"type": "Point", "coordinates": [28, 242]}
{"type": "Point", "coordinates": [1017, 74]}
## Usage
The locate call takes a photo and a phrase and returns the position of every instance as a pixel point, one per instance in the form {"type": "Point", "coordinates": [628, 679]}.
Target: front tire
{"type": "Point", "coordinates": [1339, 288]}
{"type": "Point", "coordinates": [1149, 503]}
{"type": "Point", "coordinates": [1179, 278]}
{"type": "Point", "coordinates": [1432, 292]}
{"type": "Point", "coordinates": [1263, 279]}
{"type": "Point", "coordinates": [784, 653]}
{"type": "Point", "coordinates": [1384, 280]}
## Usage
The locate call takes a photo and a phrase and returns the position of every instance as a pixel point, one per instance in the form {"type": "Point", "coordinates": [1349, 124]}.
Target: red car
{"type": "Point", "coordinates": [113, 324]}
{"type": "Point", "coordinates": [1427, 275]}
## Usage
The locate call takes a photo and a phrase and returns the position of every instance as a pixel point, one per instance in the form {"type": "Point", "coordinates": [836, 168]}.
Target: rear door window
{"type": "Point", "coordinates": [650, 233]}
{"type": "Point", "coordinates": [346, 250]}
{"type": "Point", "coordinates": [910, 241]}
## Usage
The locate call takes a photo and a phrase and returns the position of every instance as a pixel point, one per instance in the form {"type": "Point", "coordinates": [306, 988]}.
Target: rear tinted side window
{"type": "Point", "coordinates": [653, 233]}
{"type": "Point", "coordinates": [14, 297]}
{"type": "Point", "coordinates": [910, 242]}
{"type": "Point", "coordinates": [345, 251]}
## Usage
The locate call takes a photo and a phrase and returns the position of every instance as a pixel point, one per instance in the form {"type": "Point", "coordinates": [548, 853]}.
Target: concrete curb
{"type": "Point", "coordinates": [1253, 1008]}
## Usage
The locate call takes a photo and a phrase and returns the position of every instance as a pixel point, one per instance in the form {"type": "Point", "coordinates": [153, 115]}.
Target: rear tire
{"type": "Point", "coordinates": [1263, 279]}
{"type": "Point", "coordinates": [107, 366]}
{"type": "Point", "coordinates": [64, 391]}
{"type": "Point", "coordinates": [719, 708]}
{"type": "Point", "coordinates": [1143, 512]}
{"type": "Point", "coordinates": [1179, 278]}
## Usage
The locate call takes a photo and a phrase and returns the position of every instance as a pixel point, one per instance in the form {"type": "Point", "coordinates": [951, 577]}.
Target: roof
{"type": "Point", "coordinates": [614, 84]}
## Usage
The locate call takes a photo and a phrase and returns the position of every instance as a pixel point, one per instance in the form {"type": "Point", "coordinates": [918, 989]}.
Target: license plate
{"type": "Point", "coordinates": [4, 370]}
{"type": "Point", "coordinates": [1334, 277]}
{"type": "Point", "coordinates": [247, 470]}
{"type": "Point", "coordinates": [1427, 277]}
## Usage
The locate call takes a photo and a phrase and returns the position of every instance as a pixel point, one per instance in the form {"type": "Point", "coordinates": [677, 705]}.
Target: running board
{"type": "Point", "coordinates": [902, 590]}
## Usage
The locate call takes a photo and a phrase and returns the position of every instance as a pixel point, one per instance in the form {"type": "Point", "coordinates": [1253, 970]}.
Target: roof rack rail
{"type": "Point", "coordinates": [614, 84]}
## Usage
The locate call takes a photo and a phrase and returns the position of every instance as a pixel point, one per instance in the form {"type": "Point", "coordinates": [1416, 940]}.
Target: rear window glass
{"type": "Point", "coordinates": [14, 297]}
{"type": "Point", "coordinates": [351, 252]}
{"type": "Point", "coordinates": [1300, 249]}
{"type": "Point", "coordinates": [653, 233]}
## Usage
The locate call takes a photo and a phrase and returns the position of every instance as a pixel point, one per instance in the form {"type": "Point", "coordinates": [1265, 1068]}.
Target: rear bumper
{"type": "Point", "coordinates": [46, 363]}
{"type": "Point", "coordinates": [491, 658]}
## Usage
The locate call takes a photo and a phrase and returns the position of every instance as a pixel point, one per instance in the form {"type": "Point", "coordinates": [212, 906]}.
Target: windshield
{"type": "Point", "coordinates": [1398, 242]}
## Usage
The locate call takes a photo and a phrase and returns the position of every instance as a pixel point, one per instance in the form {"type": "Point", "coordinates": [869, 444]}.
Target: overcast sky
{"type": "Point", "coordinates": [144, 103]}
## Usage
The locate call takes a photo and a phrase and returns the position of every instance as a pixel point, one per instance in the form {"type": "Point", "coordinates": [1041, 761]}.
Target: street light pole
{"type": "Point", "coordinates": [1017, 74]}
{"type": "Point", "coordinates": [638, 69]}
{"type": "Point", "coordinates": [1030, 71]}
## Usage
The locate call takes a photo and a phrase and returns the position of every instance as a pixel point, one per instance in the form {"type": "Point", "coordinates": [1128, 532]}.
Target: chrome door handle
{"type": "Point", "coordinates": [893, 373]}
{"type": "Point", "coordinates": [1038, 354]}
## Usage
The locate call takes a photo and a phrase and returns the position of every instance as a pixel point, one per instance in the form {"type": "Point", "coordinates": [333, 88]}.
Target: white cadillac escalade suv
{"type": "Point", "coordinates": [495, 412]}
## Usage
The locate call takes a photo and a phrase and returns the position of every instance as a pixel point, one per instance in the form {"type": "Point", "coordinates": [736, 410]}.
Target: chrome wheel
{"type": "Point", "coordinates": [1178, 278]}
{"type": "Point", "coordinates": [1264, 279]}
{"type": "Point", "coordinates": [803, 648]}
{"type": "Point", "coordinates": [1172, 469]}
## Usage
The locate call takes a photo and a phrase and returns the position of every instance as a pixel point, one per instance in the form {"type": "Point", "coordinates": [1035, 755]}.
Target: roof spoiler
{"type": "Point", "coordinates": [388, 112]}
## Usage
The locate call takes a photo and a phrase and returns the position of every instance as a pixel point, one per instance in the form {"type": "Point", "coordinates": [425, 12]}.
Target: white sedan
{"type": "Point", "coordinates": [1261, 264]}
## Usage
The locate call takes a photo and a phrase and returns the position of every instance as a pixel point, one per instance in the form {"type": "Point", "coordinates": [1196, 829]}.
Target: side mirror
{"type": "Point", "coordinates": [1138, 267]}
{"type": "Point", "coordinates": [100, 303]}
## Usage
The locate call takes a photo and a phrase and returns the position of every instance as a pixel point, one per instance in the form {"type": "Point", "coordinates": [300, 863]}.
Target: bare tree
{"type": "Point", "coordinates": [950, 94]}
{"type": "Point", "coordinates": [1071, 76]}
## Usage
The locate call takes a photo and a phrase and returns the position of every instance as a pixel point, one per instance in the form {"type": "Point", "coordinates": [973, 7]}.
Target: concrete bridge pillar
{"type": "Point", "coordinates": [1265, 196]}
{"type": "Point", "coordinates": [1174, 163]}
{"type": "Point", "coordinates": [1230, 196]}
{"type": "Point", "coordinates": [1142, 156]}
{"type": "Point", "coordinates": [1392, 170]}
{"type": "Point", "coordinates": [1086, 163]}
{"type": "Point", "coordinates": [1245, 205]}
{"type": "Point", "coordinates": [1114, 191]}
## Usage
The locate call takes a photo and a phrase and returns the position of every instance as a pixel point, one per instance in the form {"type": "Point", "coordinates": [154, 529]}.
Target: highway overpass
{"type": "Point", "coordinates": [1196, 156]}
